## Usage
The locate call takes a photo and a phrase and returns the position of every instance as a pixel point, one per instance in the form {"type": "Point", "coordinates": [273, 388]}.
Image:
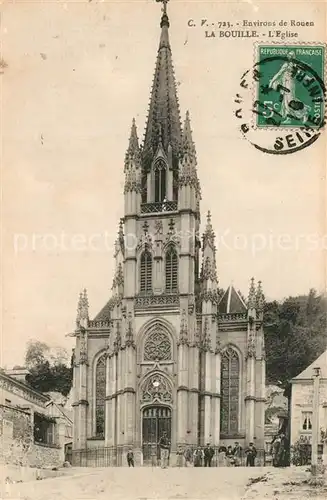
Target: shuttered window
{"type": "Point", "coordinates": [146, 272]}
{"type": "Point", "coordinates": [171, 270]}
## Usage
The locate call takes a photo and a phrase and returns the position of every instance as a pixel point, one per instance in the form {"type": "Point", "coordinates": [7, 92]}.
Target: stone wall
{"type": "Point", "coordinates": [17, 441]}
{"type": "Point", "coordinates": [44, 456]}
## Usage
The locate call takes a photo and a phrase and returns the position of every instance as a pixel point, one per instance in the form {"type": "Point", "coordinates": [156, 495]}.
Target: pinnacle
{"type": "Point", "coordinates": [209, 218]}
{"type": "Point", "coordinates": [252, 295]}
{"type": "Point", "coordinates": [260, 298]}
{"type": "Point", "coordinates": [133, 140]}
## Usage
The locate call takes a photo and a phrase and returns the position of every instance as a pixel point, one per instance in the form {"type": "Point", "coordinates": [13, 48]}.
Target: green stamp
{"type": "Point", "coordinates": [289, 88]}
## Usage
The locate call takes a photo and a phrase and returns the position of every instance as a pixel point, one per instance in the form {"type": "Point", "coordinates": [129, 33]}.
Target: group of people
{"type": "Point", "coordinates": [230, 456]}
{"type": "Point", "coordinates": [202, 456]}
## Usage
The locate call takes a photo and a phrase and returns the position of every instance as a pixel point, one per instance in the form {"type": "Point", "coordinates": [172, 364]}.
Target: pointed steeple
{"type": "Point", "coordinates": [163, 116]}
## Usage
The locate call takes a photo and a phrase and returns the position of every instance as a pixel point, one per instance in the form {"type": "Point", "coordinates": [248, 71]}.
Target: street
{"type": "Point", "coordinates": [174, 483]}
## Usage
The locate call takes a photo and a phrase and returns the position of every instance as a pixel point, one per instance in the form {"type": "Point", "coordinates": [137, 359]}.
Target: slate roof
{"type": "Point", "coordinates": [231, 302]}
{"type": "Point", "coordinates": [320, 362]}
{"type": "Point", "coordinates": [104, 314]}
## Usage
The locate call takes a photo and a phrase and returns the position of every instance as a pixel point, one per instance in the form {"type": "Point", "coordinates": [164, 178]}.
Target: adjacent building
{"type": "Point", "coordinates": [169, 351]}
{"type": "Point", "coordinates": [302, 401]}
{"type": "Point", "coordinates": [30, 434]}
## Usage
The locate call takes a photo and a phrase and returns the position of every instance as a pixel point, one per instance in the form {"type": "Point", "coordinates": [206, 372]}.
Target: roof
{"type": "Point", "coordinates": [231, 302]}
{"type": "Point", "coordinates": [104, 314]}
{"type": "Point", "coordinates": [28, 392]}
{"type": "Point", "coordinates": [320, 362]}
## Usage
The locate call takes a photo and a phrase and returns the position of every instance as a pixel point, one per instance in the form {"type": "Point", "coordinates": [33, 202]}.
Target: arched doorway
{"type": "Point", "coordinates": [155, 421]}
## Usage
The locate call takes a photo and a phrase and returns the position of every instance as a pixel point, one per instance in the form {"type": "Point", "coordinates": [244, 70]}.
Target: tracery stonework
{"type": "Point", "coordinates": [100, 394]}
{"type": "Point", "coordinates": [230, 381]}
{"type": "Point", "coordinates": [157, 346]}
{"type": "Point", "coordinates": [157, 389]}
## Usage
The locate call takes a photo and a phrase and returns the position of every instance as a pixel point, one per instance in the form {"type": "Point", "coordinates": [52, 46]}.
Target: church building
{"type": "Point", "coordinates": [169, 351]}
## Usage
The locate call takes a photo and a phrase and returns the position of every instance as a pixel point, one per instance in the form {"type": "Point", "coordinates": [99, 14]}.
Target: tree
{"type": "Point", "coordinates": [49, 370]}
{"type": "Point", "coordinates": [295, 335]}
{"type": "Point", "coordinates": [36, 353]}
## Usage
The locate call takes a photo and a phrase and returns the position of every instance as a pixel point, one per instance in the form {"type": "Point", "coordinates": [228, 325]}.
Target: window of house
{"type": "Point", "coordinates": [230, 384]}
{"type": "Point", "coordinates": [100, 395]}
{"type": "Point", "coordinates": [171, 270]}
{"type": "Point", "coordinates": [44, 430]}
{"type": "Point", "coordinates": [307, 420]}
{"type": "Point", "coordinates": [146, 272]}
{"type": "Point", "coordinates": [159, 181]}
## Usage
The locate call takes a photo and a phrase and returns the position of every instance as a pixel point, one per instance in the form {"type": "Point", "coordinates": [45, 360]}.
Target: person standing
{"type": "Point", "coordinates": [180, 455]}
{"type": "Point", "coordinates": [188, 457]}
{"type": "Point", "coordinates": [275, 444]}
{"type": "Point", "coordinates": [281, 460]}
{"type": "Point", "coordinates": [237, 452]}
{"type": "Point", "coordinates": [208, 455]}
{"type": "Point", "coordinates": [230, 456]}
{"type": "Point", "coordinates": [164, 446]}
{"type": "Point", "coordinates": [251, 453]}
{"type": "Point", "coordinates": [198, 457]}
{"type": "Point", "coordinates": [130, 458]}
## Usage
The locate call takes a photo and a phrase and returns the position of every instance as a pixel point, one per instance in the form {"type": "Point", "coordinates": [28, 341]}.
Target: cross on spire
{"type": "Point", "coordinates": [164, 6]}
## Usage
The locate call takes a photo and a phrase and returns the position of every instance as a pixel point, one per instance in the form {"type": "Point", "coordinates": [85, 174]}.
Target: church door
{"type": "Point", "coordinates": [155, 421]}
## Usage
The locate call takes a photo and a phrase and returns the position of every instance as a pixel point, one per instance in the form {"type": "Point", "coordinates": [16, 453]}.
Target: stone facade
{"type": "Point", "coordinates": [302, 401]}
{"type": "Point", "coordinates": [22, 410]}
{"type": "Point", "coordinates": [17, 441]}
{"type": "Point", "coordinates": [168, 351]}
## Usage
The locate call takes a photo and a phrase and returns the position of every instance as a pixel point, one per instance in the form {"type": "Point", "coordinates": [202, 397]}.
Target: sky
{"type": "Point", "coordinates": [76, 74]}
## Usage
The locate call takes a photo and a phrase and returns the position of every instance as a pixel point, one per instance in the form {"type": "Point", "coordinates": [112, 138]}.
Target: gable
{"type": "Point", "coordinates": [231, 302]}
{"type": "Point", "coordinates": [320, 362]}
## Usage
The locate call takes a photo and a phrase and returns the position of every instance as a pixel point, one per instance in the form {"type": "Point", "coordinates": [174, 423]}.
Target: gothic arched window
{"type": "Point", "coordinates": [100, 395]}
{"type": "Point", "coordinates": [230, 385]}
{"type": "Point", "coordinates": [159, 181]}
{"type": "Point", "coordinates": [144, 193]}
{"type": "Point", "coordinates": [157, 345]}
{"type": "Point", "coordinates": [146, 272]}
{"type": "Point", "coordinates": [171, 270]}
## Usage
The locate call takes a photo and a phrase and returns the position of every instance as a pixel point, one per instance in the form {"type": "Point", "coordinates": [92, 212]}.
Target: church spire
{"type": "Point", "coordinates": [164, 116]}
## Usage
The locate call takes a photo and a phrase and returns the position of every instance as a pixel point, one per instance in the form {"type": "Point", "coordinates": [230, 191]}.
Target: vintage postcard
{"type": "Point", "coordinates": [163, 271]}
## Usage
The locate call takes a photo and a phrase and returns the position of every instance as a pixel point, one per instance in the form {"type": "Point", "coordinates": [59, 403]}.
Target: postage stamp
{"type": "Point", "coordinates": [289, 86]}
{"type": "Point", "coordinates": [281, 100]}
